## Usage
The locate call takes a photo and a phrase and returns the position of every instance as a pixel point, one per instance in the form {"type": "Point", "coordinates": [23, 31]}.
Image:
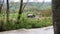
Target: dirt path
{"type": "Point", "coordinates": [46, 30]}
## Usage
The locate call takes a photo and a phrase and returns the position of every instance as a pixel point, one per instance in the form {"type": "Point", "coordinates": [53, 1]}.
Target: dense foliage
{"type": "Point", "coordinates": [44, 12]}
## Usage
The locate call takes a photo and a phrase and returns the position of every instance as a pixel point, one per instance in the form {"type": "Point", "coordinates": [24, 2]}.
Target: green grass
{"type": "Point", "coordinates": [26, 22]}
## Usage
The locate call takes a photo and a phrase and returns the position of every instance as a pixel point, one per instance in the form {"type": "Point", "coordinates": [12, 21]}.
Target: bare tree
{"type": "Point", "coordinates": [56, 16]}
{"type": "Point", "coordinates": [20, 10]}
{"type": "Point", "coordinates": [25, 4]}
{"type": "Point", "coordinates": [7, 12]}
{"type": "Point", "coordinates": [1, 4]}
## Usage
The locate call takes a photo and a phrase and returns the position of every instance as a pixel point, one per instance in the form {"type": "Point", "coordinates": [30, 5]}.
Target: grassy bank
{"type": "Point", "coordinates": [25, 22]}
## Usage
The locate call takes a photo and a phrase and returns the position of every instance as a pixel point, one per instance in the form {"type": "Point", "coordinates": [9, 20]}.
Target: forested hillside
{"type": "Point", "coordinates": [35, 15]}
{"type": "Point", "coordinates": [34, 5]}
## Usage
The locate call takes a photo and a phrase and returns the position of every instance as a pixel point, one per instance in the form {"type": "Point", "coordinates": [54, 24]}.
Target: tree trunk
{"type": "Point", "coordinates": [56, 16]}
{"type": "Point", "coordinates": [1, 22]}
{"type": "Point", "coordinates": [20, 10]}
{"type": "Point", "coordinates": [1, 4]}
{"type": "Point", "coordinates": [7, 12]}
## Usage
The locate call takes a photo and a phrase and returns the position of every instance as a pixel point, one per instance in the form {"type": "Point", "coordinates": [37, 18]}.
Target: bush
{"type": "Point", "coordinates": [35, 23]}
{"type": "Point", "coordinates": [27, 23]}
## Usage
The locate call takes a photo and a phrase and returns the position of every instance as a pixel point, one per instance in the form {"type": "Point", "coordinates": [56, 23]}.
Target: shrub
{"type": "Point", "coordinates": [26, 22]}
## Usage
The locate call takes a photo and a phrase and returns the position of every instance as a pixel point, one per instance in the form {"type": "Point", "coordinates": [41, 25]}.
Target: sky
{"type": "Point", "coordinates": [33, 0]}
